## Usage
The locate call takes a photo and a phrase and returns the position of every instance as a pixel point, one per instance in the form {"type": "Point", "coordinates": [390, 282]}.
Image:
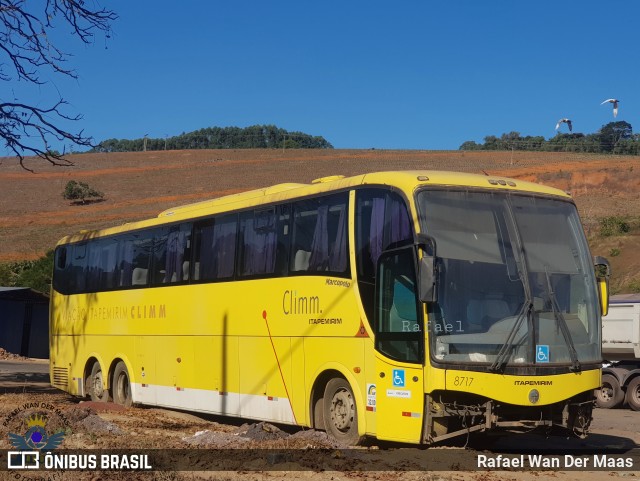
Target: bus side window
{"type": "Point", "coordinates": [79, 265]}
{"type": "Point", "coordinates": [101, 264]}
{"type": "Point", "coordinates": [284, 239]}
{"type": "Point", "coordinates": [258, 242]}
{"type": "Point", "coordinates": [398, 333]}
{"type": "Point", "coordinates": [61, 258]}
{"type": "Point", "coordinates": [382, 221]}
{"type": "Point", "coordinates": [134, 258]}
{"type": "Point", "coordinates": [61, 275]}
{"type": "Point", "coordinates": [215, 248]}
{"type": "Point", "coordinates": [171, 249]}
{"type": "Point", "coordinates": [109, 258]}
{"type": "Point", "coordinates": [319, 241]}
{"type": "Point", "coordinates": [157, 270]}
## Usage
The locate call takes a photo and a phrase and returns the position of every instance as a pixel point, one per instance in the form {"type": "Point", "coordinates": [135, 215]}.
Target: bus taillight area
{"type": "Point", "coordinates": [451, 414]}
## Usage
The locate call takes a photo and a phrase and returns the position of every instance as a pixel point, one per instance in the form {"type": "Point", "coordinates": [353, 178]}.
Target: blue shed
{"type": "Point", "coordinates": [24, 322]}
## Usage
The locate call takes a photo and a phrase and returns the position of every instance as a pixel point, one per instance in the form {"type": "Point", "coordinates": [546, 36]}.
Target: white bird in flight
{"type": "Point", "coordinates": [566, 121]}
{"type": "Point", "coordinates": [615, 105]}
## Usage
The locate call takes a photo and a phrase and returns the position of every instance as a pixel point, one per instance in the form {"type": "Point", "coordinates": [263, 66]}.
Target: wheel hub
{"type": "Point", "coordinates": [342, 411]}
{"type": "Point", "coordinates": [635, 393]}
{"type": "Point", "coordinates": [98, 389]}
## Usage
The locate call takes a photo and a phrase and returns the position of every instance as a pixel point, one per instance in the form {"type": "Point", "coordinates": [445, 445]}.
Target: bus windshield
{"type": "Point", "coordinates": [516, 284]}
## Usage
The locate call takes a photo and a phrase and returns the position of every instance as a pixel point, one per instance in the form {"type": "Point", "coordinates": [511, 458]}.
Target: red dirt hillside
{"type": "Point", "coordinates": [34, 215]}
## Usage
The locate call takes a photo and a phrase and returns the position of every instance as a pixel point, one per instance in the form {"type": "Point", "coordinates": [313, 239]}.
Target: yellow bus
{"type": "Point", "coordinates": [409, 306]}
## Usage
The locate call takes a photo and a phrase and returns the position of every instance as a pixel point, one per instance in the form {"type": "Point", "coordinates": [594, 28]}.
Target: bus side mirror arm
{"type": "Point", "coordinates": [427, 269]}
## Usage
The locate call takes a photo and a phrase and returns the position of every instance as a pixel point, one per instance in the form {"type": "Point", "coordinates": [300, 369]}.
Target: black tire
{"type": "Point", "coordinates": [95, 388]}
{"type": "Point", "coordinates": [610, 395]}
{"type": "Point", "coordinates": [340, 412]}
{"type": "Point", "coordinates": [121, 386]}
{"type": "Point", "coordinates": [633, 394]}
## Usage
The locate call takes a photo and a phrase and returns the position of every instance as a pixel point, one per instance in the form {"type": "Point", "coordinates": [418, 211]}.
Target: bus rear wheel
{"type": "Point", "coordinates": [95, 384]}
{"type": "Point", "coordinates": [610, 395]}
{"type": "Point", "coordinates": [340, 412]}
{"type": "Point", "coordinates": [122, 386]}
{"type": "Point", "coordinates": [633, 394]}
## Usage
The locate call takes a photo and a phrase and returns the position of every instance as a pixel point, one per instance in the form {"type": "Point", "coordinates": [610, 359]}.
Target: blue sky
{"type": "Point", "coordinates": [407, 75]}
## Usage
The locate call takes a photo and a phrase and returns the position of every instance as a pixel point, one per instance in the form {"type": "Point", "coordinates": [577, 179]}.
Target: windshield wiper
{"type": "Point", "coordinates": [503, 355]}
{"type": "Point", "coordinates": [505, 351]}
{"type": "Point", "coordinates": [562, 324]}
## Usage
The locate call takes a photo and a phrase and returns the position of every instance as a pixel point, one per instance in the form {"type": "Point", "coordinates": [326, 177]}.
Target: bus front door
{"type": "Point", "coordinates": [399, 341]}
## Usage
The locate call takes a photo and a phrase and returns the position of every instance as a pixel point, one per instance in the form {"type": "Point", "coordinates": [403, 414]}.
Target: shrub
{"type": "Point", "coordinates": [633, 286]}
{"type": "Point", "coordinates": [80, 191]}
{"type": "Point", "coordinates": [613, 225]}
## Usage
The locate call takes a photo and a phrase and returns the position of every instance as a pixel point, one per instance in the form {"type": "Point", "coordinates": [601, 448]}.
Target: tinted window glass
{"type": "Point", "coordinates": [215, 248]}
{"type": "Point", "coordinates": [77, 278]}
{"type": "Point", "coordinates": [101, 264]}
{"type": "Point", "coordinates": [319, 241]}
{"type": "Point", "coordinates": [61, 257]}
{"type": "Point", "coordinates": [398, 327]}
{"type": "Point", "coordinates": [136, 258]}
{"type": "Point", "coordinates": [382, 221]}
{"type": "Point", "coordinates": [61, 270]}
{"type": "Point", "coordinates": [171, 249]}
{"type": "Point", "coordinates": [264, 245]}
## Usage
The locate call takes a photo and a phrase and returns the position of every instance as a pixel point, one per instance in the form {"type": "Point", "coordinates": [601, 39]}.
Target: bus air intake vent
{"type": "Point", "coordinates": [60, 377]}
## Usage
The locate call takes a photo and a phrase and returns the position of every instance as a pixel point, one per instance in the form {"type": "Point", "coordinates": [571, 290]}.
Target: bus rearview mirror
{"type": "Point", "coordinates": [427, 279]}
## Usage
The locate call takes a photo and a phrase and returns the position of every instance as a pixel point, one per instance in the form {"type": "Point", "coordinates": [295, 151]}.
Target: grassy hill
{"type": "Point", "coordinates": [34, 215]}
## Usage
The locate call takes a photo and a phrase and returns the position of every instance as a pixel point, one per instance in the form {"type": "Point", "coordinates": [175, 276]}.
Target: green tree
{"type": "Point", "coordinates": [491, 142]}
{"type": "Point", "coordinates": [612, 133]}
{"type": "Point", "coordinates": [80, 191]}
{"type": "Point", "coordinates": [34, 274]}
{"type": "Point", "coordinates": [615, 137]}
{"type": "Point", "coordinates": [253, 137]}
{"type": "Point", "coordinates": [470, 145]}
{"type": "Point", "coordinates": [38, 275]}
{"type": "Point", "coordinates": [532, 143]}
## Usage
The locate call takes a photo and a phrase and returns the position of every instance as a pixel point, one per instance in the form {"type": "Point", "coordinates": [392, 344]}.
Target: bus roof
{"type": "Point", "coordinates": [407, 181]}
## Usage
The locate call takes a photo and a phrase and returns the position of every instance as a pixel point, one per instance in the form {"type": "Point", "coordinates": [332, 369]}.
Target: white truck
{"type": "Point", "coordinates": [621, 353]}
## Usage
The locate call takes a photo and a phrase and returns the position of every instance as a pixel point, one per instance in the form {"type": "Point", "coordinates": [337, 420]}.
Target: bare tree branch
{"type": "Point", "coordinates": [25, 50]}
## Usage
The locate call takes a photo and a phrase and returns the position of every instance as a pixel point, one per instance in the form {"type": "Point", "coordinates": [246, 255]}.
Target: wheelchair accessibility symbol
{"type": "Point", "coordinates": [398, 378]}
{"type": "Point", "coordinates": [542, 353]}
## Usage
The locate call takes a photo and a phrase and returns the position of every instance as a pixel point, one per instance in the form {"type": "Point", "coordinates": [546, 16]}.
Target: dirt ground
{"type": "Point", "coordinates": [308, 454]}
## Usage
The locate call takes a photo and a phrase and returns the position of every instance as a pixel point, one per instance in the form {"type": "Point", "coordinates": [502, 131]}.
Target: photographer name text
{"type": "Point", "coordinates": [566, 461]}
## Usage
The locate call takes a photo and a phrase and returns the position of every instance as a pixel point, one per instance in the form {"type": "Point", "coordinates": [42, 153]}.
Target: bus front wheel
{"type": "Point", "coordinates": [122, 386]}
{"type": "Point", "coordinates": [340, 412]}
{"type": "Point", "coordinates": [95, 383]}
